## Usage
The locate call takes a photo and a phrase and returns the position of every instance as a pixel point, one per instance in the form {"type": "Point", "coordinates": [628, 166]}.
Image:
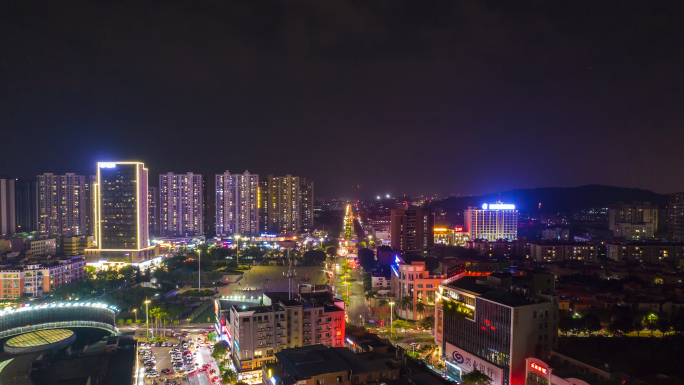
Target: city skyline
{"type": "Point", "coordinates": [495, 96]}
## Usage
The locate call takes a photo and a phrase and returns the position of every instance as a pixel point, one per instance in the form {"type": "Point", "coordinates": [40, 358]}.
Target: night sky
{"type": "Point", "coordinates": [420, 97]}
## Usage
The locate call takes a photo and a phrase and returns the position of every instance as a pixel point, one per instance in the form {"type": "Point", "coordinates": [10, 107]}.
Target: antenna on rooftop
{"type": "Point", "coordinates": [291, 273]}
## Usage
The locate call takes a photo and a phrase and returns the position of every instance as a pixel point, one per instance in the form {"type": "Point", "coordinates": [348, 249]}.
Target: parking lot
{"type": "Point", "coordinates": [163, 361]}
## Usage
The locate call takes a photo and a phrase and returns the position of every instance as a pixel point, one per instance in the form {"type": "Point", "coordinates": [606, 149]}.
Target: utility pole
{"type": "Point", "coordinates": [291, 273]}
{"type": "Point", "coordinates": [391, 316]}
{"type": "Point", "coordinates": [199, 272]}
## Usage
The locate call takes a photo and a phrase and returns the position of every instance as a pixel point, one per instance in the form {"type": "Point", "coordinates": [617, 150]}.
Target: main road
{"type": "Point", "coordinates": [357, 311]}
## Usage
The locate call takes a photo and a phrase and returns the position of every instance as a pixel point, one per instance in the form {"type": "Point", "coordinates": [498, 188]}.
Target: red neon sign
{"type": "Point", "coordinates": [537, 368]}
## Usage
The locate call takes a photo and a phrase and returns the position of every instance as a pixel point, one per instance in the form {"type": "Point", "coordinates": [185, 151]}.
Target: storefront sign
{"type": "Point", "coordinates": [468, 362]}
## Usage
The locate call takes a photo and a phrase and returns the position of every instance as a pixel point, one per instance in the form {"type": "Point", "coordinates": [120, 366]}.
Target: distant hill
{"type": "Point", "coordinates": [557, 199]}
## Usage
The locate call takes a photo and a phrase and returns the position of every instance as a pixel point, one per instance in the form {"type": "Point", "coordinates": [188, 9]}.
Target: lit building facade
{"type": "Point", "coordinates": [494, 323]}
{"type": "Point", "coordinates": [256, 333]}
{"type": "Point", "coordinates": [634, 231]}
{"type": "Point", "coordinates": [180, 205]}
{"type": "Point", "coordinates": [280, 204]}
{"type": "Point", "coordinates": [153, 209]}
{"type": "Point", "coordinates": [451, 236]}
{"type": "Point", "coordinates": [62, 204]}
{"type": "Point", "coordinates": [34, 247]}
{"type": "Point", "coordinates": [414, 281]}
{"type": "Point", "coordinates": [675, 217]}
{"type": "Point", "coordinates": [91, 199]}
{"type": "Point", "coordinates": [306, 212]}
{"type": "Point", "coordinates": [8, 224]}
{"type": "Point", "coordinates": [26, 206]}
{"type": "Point", "coordinates": [632, 213]}
{"type": "Point", "coordinates": [563, 251]}
{"type": "Point", "coordinates": [121, 228]}
{"type": "Point", "coordinates": [35, 279]}
{"type": "Point", "coordinates": [650, 252]}
{"type": "Point", "coordinates": [412, 230]}
{"type": "Point", "coordinates": [492, 222]}
{"type": "Point", "coordinates": [237, 204]}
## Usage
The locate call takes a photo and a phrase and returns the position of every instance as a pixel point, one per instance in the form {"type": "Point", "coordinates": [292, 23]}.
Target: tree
{"type": "Point", "coordinates": [475, 377]}
{"type": "Point", "coordinates": [420, 308]}
{"type": "Point", "coordinates": [406, 301]}
{"type": "Point", "coordinates": [220, 349]}
{"type": "Point", "coordinates": [565, 324]}
{"type": "Point", "coordinates": [591, 323]}
{"type": "Point", "coordinates": [331, 251]}
{"type": "Point", "coordinates": [315, 256]}
{"type": "Point", "coordinates": [361, 245]}
{"type": "Point", "coordinates": [228, 376]}
{"type": "Point", "coordinates": [211, 336]}
{"type": "Point", "coordinates": [428, 322]}
{"type": "Point", "coordinates": [664, 324]}
{"type": "Point", "coordinates": [367, 259]}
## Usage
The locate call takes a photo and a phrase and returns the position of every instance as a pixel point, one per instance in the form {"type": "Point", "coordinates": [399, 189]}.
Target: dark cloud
{"type": "Point", "coordinates": [414, 96]}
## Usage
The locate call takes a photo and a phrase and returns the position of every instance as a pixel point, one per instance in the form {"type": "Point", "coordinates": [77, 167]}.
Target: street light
{"type": "Point", "coordinates": [391, 315]}
{"type": "Point", "coordinates": [147, 315]}
{"type": "Point", "coordinates": [135, 311]}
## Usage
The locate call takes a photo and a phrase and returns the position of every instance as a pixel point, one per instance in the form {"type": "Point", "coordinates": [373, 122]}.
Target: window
{"type": "Point", "coordinates": [339, 379]}
{"type": "Point", "coordinates": [319, 382]}
{"type": "Point", "coordinates": [369, 376]}
{"type": "Point", "coordinates": [534, 314]}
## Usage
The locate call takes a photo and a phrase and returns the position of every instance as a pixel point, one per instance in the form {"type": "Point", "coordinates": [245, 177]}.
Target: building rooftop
{"type": "Point", "coordinates": [508, 298]}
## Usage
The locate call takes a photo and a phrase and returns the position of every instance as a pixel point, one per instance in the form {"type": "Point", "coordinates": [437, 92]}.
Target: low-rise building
{"type": "Point", "coordinates": [41, 277]}
{"type": "Point", "coordinates": [414, 281]}
{"type": "Point", "coordinates": [320, 364]}
{"type": "Point", "coordinates": [499, 248]}
{"type": "Point", "coordinates": [77, 245]}
{"type": "Point", "coordinates": [634, 231]}
{"type": "Point", "coordinates": [556, 234]}
{"type": "Point", "coordinates": [380, 282]}
{"type": "Point", "coordinates": [35, 247]}
{"type": "Point", "coordinates": [563, 251]}
{"type": "Point", "coordinates": [256, 333]}
{"type": "Point", "coordinates": [651, 252]}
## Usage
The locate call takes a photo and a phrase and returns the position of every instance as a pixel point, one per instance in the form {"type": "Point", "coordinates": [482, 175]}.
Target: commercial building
{"type": "Point", "coordinates": [650, 252]}
{"type": "Point", "coordinates": [412, 230]}
{"type": "Point", "coordinates": [8, 224]}
{"type": "Point", "coordinates": [61, 204]}
{"type": "Point", "coordinates": [451, 236]}
{"type": "Point", "coordinates": [320, 364]}
{"type": "Point", "coordinates": [237, 204]}
{"type": "Point", "coordinates": [153, 210]}
{"type": "Point", "coordinates": [556, 234]}
{"type": "Point", "coordinates": [675, 217]}
{"type": "Point", "coordinates": [38, 278]}
{"type": "Point", "coordinates": [420, 285]}
{"type": "Point", "coordinates": [492, 221]}
{"type": "Point", "coordinates": [26, 203]}
{"type": "Point", "coordinates": [256, 333]}
{"type": "Point", "coordinates": [563, 251]}
{"type": "Point", "coordinates": [381, 283]}
{"type": "Point", "coordinates": [121, 212]}
{"type": "Point", "coordinates": [633, 213]}
{"type": "Point", "coordinates": [539, 372]}
{"type": "Point", "coordinates": [634, 232]}
{"type": "Point", "coordinates": [493, 323]}
{"type": "Point", "coordinates": [181, 205]}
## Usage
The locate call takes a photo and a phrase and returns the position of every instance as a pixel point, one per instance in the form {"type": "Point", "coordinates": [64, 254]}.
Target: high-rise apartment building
{"type": "Point", "coordinates": [492, 221]}
{"type": "Point", "coordinates": [26, 203]}
{"type": "Point", "coordinates": [7, 207]}
{"type": "Point", "coordinates": [493, 323]}
{"type": "Point", "coordinates": [121, 231]}
{"type": "Point", "coordinates": [180, 205]}
{"type": "Point", "coordinates": [62, 204]}
{"type": "Point", "coordinates": [153, 209]}
{"type": "Point", "coordinates": [412, 230]}
{"type": "Point", "coordinates": [91, 180]}
{"type": "Point", "coordinates": [306, 200]}
{"type": "Point", "coordinates": [675, 217]}
{"type": "Point", "coordinates": [237, 204]}
{"type": "Point", "coordinates": [280, 204]}
{"type": "Point", "coordinates": [632, 213]}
